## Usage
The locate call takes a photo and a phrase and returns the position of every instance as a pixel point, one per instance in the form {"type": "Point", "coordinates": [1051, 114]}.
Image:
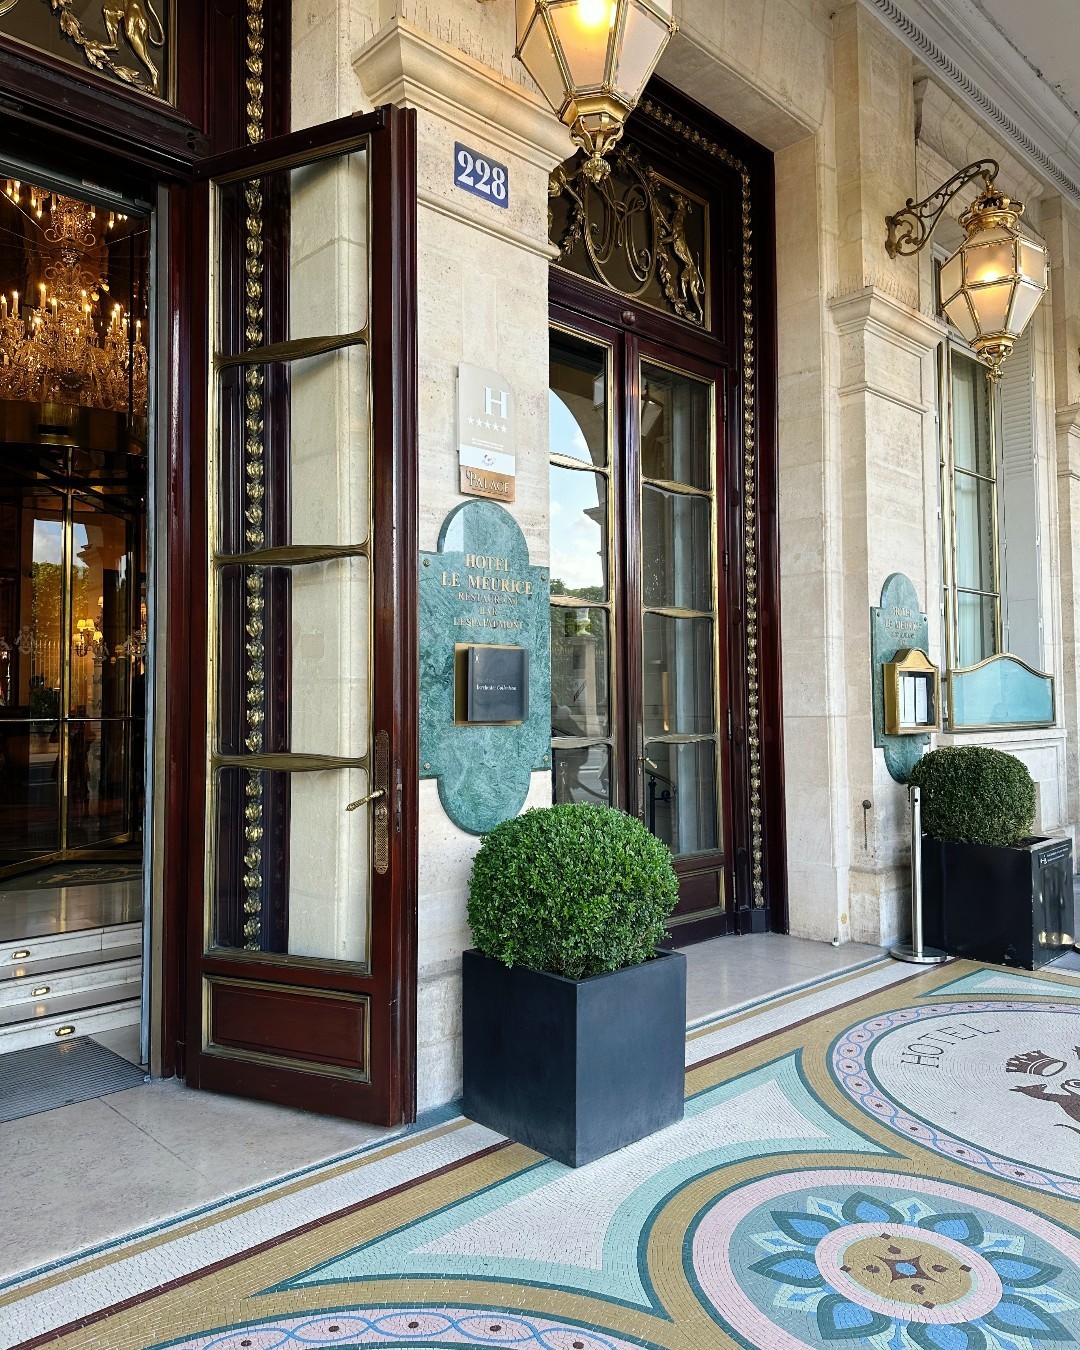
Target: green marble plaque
{"type": "Point", "coordinates": [896, 623]}
{"type": "Point", "coordinates": [478, 589]}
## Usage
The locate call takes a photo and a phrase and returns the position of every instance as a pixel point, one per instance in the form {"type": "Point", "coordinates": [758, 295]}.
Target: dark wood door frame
{"type": "Point", "coordinates": [390, 1096]}
{"type": "Point", "coordinates": [737, 176]}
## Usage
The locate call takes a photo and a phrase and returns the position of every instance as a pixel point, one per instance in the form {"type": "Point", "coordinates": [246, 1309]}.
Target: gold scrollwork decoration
{"type": "Point", "coordinates": [633, 229]}
{"type": "Point", "coordinates": [136, 21]}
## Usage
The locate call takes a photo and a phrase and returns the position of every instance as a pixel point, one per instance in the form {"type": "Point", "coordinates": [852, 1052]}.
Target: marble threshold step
{"type": "Point", "coordinates": [69, 975]}
{"type": "Point", "coordinates": [51, 946]}
{"type": "Point", "coordinates": [48, 1020]}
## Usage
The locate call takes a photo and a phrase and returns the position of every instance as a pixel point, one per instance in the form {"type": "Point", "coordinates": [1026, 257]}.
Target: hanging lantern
{"type": "Point", "coordinates": [992, 284]}
{"type": "Point", "coordinates": [591, 60]}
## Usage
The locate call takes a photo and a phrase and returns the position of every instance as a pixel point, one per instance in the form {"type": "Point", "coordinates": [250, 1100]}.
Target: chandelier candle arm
{"type": "Point", "coordinates": [992, 284]}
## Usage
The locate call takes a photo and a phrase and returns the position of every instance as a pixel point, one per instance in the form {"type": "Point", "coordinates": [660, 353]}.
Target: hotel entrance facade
{"type": "Point", "coordinates": [242, 278]}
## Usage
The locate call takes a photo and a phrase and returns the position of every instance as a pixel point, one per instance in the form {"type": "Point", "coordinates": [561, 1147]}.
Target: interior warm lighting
{"type": "Point", "coordinates": [596, 13]}
{"type": "Point", "coordinates": [64, 349]}
{"type": "Point", "coordinates": [991, 286]}
{"type": "Point", "coordinates": [591, 60]}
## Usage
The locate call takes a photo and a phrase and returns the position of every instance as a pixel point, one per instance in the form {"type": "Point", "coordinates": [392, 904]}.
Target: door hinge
{"type": "Point", "coordinates": [729, 724]}
{"type": "Point", "coordinates": [726, 559]}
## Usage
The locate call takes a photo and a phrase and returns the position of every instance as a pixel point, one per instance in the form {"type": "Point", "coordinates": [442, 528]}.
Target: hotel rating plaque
{"type": "Point", "coordinates": [487, 429]}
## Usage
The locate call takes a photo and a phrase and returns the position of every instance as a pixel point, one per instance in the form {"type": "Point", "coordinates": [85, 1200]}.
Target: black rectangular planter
{"type": "Point", "coordinates": [1009, 906]}
{"type": "Point", "coordinates": [574, 1068]}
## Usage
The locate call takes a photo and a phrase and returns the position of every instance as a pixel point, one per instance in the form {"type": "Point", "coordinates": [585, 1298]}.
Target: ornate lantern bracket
{"type": "Point", "coordinates": [910, 229]}
{"type": "Point", "coordinates": [992, 284]}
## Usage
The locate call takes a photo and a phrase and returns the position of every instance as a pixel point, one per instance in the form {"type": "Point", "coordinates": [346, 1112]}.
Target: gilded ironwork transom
{"type": "Point", "coordinates": [635, 232]}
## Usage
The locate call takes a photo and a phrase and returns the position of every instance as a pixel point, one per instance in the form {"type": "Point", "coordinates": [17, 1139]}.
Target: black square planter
{"type": "Point", "coordinates": [574, 1068]}
{"type": "Point", "coordinates": [1010, 906]}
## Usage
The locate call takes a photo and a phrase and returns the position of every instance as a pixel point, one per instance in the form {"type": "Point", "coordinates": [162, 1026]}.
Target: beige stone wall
{"type": "Point", "coordinates": [856, 129]}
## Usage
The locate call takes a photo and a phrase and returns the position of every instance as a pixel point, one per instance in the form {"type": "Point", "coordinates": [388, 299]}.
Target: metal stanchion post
{"type": "Point", "coordinates": [915, 951]}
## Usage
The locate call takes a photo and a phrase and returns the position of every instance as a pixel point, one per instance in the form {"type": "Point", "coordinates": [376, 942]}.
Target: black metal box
{"type": "Point", "coordinates": [574, 1068]}
{"type": "Point", "coordinates": [1011, 906]}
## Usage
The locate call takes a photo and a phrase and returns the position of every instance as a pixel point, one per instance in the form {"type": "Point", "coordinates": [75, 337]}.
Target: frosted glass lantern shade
{"type": "Point", "coordinates": [989, 288]}
{"type": "Point", "coordinates": [591, 59]}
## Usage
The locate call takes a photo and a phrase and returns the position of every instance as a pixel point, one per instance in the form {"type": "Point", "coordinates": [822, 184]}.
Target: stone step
{"type": "Point", "coordinates": [70, 975]}
{"type": "Point", "coordinates": [67, 1016]}
{"type": "Point", "coordinates": [16, 954]}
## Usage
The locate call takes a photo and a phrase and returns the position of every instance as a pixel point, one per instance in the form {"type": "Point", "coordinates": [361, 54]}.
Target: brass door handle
{"type": "Point", "coordinates": [363, 801]}
{"type": "Point", "coordinates": [380, 817]}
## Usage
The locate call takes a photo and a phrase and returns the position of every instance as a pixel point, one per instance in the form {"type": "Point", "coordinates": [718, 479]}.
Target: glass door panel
{"type": "Point", "coordinates": [680, 695]}
{"type": "Point", "coordinates": [582, 605]}
{"type": "Point", "coordinates": [31, 666]}
{"type": "Point", "coordinates": [637, 691]}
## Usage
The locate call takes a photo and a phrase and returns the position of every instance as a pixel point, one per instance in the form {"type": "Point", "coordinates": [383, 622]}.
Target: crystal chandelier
{"type": "Point", "coordinates": [62, 350]}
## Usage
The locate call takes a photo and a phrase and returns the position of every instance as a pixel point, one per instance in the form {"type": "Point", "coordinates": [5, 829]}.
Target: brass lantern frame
{"type": "Point", "coordinates": [596, 112]}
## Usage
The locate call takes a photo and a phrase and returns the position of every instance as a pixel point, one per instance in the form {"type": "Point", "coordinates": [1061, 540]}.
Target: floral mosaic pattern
{"type": "Point", "coordinates": [901, 1264]}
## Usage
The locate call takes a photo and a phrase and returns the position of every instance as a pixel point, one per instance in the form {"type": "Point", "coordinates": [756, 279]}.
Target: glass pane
{"type": "Point", "coordinates": [992, 306]}
{"type": "Point", "coordinates": [580, 698]}
{"type": "Point", "coordinates": [584, 33]}
{"type": "Point", "coordinates": [676, 550]}
{"type": "Point", "coordinates": [578, 533]}
{"type": "Point", "coordinates": [676, 427]}
{"type": "Point", "coordinates": [292, 864]}
{"type": "Point", "coordinates": [972, 447]}
{"type": "Point", "coordinates": [582, 775]}
{"type": "Point", "coordinates": [314, 250]}
{"type": "Point", "coordinates": [678, 667]}
{"type": "Point", "coordinates": [313, 695]}
{"type": "Point", "coordinates": [31, 597]}
{"type": "Point", "coordinates": [577, 402]}
{"type": "Point", "coordinates": [974, 527]}
{"type": "Point", "coordinates": [97, 800]}
{"type": "Point", "coordinates": [29, 789]}
{"type": "Point", "coordinates": [643, 38]}
{"type": "Point", "coordinates": [976, 627]}
{"type": "Point", "coordinates": [313, 428]}
{"type": "Point", "coordinates": [680, 795]}
{"type": "Point", "coordinates": [100, 619]}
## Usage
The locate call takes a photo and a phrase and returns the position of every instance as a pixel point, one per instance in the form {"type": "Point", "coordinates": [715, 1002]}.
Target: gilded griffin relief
{"type": "Point", "coordinates": [635, 232]}
{"type": "Point", "coordinates": [136, 22]}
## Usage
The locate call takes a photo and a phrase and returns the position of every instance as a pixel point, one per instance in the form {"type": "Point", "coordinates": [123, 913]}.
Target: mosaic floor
{"type": "Point", "coordinates": [891, 1157]}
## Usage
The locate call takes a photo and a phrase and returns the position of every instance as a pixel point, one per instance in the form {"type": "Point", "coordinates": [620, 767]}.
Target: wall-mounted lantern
{"type": "Point", "coordinates": [992, 284]}
{"type": "Point", "coordinates": [591, 60]}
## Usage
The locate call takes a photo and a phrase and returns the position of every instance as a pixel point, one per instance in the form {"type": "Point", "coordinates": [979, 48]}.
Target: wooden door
{"type": "Point", "coordinates": [301, 966]}
{"type": "Point", "coordinates": [640, 694]}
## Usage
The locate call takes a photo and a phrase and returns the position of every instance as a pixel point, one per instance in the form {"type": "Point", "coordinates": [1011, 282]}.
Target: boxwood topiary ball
{"type": "Point", "coordinates": [573, 889]}
{"type": "Point", "coordinates": [974, 795]}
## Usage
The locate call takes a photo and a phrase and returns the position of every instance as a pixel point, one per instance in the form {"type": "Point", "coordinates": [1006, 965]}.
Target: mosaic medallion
{"type": "Point", "coordinates": [819, 1258]}
{"type": "Point", "coordinates": [994, 1085]}
{"type": "Point", "coordinates": [397, 1328]}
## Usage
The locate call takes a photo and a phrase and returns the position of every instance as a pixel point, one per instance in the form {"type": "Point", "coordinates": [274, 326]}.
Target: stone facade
{"type": "Point", "coordinates": [856, 126]}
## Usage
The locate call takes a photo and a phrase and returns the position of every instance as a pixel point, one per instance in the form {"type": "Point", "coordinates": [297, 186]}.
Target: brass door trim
{"type": "Point", "coordinates": [294, 349]}
{"type": "Point", "coordinates": [289, 761]}
{"type": "Point", "coordinates": [291, 555]}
